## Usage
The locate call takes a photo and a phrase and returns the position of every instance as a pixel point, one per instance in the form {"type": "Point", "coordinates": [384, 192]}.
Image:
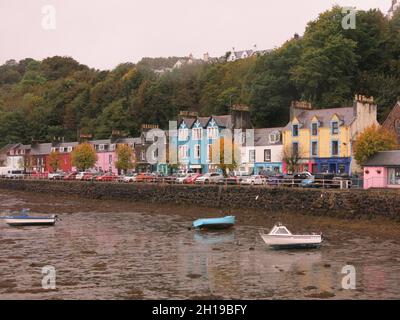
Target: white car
{"type": "Point", "coordinates": [183, 177]}
{"type": "Point", "coordinates": [55, 175]}
{"type": "Point", "coordinates": [15, 174]}
{"type": "Point", "coordinates": [129, 178]}
{"type": "Point", "coordinates": [210, 177]}
{"type": "Point", "coordinates": [255, 180]}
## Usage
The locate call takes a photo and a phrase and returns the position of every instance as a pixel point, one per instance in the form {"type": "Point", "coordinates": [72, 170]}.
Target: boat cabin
{"type": "Point", "coordinates": [280, 231]}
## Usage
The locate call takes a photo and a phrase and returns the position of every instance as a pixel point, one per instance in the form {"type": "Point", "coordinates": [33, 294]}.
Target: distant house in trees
{"type": "Point", "coordinates": [392, 122]}
{"type": "Point", "coordinates": [244, 54]}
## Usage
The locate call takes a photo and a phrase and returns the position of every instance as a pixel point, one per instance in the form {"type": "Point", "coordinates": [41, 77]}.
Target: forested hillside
{"type": "Point", "coordinates": [327, 66]}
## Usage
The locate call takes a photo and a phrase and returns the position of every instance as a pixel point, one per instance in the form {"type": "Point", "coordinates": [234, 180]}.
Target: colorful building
{"type": "Point", "coordinates": [63, 150]}
{"type": "Point", "coordinates": [383, 170]}
{"type": "Point", "coordinates": [265, 154]}
{"type": "Point", "coordinates": [323, 138]}
{"type": "Point", "coordinates": [198, 136]}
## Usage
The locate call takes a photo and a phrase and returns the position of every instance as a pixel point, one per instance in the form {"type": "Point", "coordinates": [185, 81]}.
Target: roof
{"type": "Point", "coordinates": [40, 149]}
{"type": "Point", "coordinates": [189, 121]}
{"type": "Point", "coordinates": [384, 159]}
{"type": "Point", "coordinates": [223, 121]}
{"type": "Point", "coordinates": [324, 116]}
{"type": "Point", "coordinates": [261, 136]}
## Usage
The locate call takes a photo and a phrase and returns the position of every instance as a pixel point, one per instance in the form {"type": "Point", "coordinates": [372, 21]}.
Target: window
{"type": "Point", "coordinates": [112, 147]}
{"type": "Point", "coordinates": [394, 176]}
{"type": "Point", "coordinates": [197, 133]}
{"type": "Point", "coordinates": [274, 137]}
{"type": "Point", "coordinates": [335, 127]}
{"type": "Point", "coordinates": [197, 151]}
{"type": "Point", "coordinates": [314, 148]}
{"type": "Point", "coordinates": [252, 156]}
{"type": "Point", "coordinates": [101, 147]}
{"type": "Point", "coordinates": [183, 152]}
{"type": "Point", "coordinates": [335, 148]}
{"type": "Point", "coordinates": [110, 159]}
{"type": "Point", "coordinates": [295, 130]}
{"type": "Point", "coordinates": [295, 148]}
{"type": "Point", "coordinates": [267, 155]}
{"type": "Point", "coordinates": [183, 134]}
{"type": "Point", "coordinates": [53, 149]}
{"type": "Point", "coordinates": [69, 149]}
{"type": "Point", "coordinates": [212, 133]}
{"type": "Point", "coordinates": [209, 152]}
{"type": "Point", "coordinates": [282, 231]}
{"type": "Point", "coordinates": [314, 129]}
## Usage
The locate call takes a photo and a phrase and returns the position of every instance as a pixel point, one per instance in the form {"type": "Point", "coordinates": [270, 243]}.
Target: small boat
{"type": "Point", "coordinates": [214, 223]}
{"type": "Point", "coordinates": [281, 238]}
{"type": "Point", "coordinates": [23, 219]}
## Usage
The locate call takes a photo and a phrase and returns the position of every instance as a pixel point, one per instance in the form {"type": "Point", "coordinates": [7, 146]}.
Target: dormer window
{"type": "Point", "coordinates": [112, 147]}
{"type": "Point", "coordinates": [69, 149]}
{"type": "Point", "coordinates": [274, 137]}
{"type": "Point", "coordinates": [295, 130]}
{"type": "Point", "coordinates": [314, 129]}
{"type": "Point", "coordinates": [101, 147]}
{"type": "Point", "coordinates": [335, 127]}
{"type": "Point", "coordinates": [183, 134]}
{"type": "Point", "coordinates": [212, 133]}
{"type": "Point", "coordinates": [197, 133]}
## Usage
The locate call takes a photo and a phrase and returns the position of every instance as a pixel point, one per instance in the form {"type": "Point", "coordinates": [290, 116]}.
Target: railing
{"type": "Point", "coordinates": [269, 183]}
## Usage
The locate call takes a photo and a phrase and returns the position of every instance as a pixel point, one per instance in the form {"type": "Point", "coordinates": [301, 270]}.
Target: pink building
{"type": "Point", "coordinates": [383, 170]}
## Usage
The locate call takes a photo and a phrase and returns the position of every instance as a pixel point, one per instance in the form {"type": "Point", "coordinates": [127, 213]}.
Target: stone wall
{"type": "Point", "coordinates": [338, 203]}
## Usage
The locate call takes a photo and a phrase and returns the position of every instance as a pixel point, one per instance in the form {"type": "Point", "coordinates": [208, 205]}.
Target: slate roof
{"type": "Point", "coordinates": [261, 136]}
{"type": "Point", "coordinates": [325, 116]}
{"type": "Point", "coordinates": [384, 159]}
{"type": "Point", "coordinates": [40, 149]}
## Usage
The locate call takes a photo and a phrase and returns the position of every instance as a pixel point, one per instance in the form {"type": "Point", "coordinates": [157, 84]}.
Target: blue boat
{"type": "Point", "coordinates": [214, 223]}
{"type": "Point", "coordinates": [23, 219]}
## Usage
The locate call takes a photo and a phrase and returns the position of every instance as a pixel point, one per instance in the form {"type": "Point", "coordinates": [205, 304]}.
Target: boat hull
{"type": "Point", "coordinates": [215, 223]}
{"type": "Point", "coordinates": [30, 221]}
{"type": "Point", "coordinates": [292, 241]}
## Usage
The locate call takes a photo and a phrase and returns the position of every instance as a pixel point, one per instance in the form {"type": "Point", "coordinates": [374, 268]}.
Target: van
{"type": "Point", "coordinates": [15, 174]}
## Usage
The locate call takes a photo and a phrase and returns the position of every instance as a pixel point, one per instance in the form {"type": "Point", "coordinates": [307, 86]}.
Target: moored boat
{"type": "Point", "coordinates": [214, 223]}
{"type": "Point", "coordinates": [281, 238]}
{"type": "Point", "coordinates": [23, 219]}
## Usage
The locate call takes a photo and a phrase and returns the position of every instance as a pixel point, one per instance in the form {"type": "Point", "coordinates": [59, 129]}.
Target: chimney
{"type": "Point", "coordinates": [298, 107]}
{"type": "Point", "coordinates": [240, 115]}
{"type": "Point", "coordinates": [363, 104]}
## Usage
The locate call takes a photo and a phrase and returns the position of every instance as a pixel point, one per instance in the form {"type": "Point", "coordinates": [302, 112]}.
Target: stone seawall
{"type": "Point", "coordinates": [338, 203]}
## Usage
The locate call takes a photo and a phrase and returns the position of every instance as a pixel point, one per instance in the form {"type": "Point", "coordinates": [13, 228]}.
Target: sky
{"type": "Point", "coordinates": [105, 33]}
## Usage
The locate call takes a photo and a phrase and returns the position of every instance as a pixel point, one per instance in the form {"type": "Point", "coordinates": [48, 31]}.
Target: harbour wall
{"type": "Point", "coordinates": [348, 204]}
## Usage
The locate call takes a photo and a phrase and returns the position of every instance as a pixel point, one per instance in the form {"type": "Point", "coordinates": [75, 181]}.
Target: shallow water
{"type": "Point", "coordinates": [107, 250]}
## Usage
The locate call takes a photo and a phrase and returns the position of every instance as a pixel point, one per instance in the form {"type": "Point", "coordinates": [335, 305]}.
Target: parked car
{"type": "Point", "coordinates": [255, 180]}
{"type": "Point", "coordinates": [191, 178]}
{"type": "Point", "coordinates": [231, 180]}
{"type": "Point", "coordinates": [292, 180]}
{"type": "Point", "coordinates": [145, 177]}
{"type": "Point", "coordinates": [129, 178]}
{"type": "Point", "coordinates": [84, 176]}
{"type": "Point", "coordinates": [70, 176]}
{"type": "Point", "coordinates": [211, 177]}
{"type": "Point", "coordinates": [180, 177]}
{"type": "Point", "coordinates": [106, 177]}
{"type": "Point", "coordinates": [58, 175]}
{"type": "Point", "coordinates": [275, 180]}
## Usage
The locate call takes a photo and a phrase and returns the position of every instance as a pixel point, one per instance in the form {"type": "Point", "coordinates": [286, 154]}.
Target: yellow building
{"type": "Point", "coordinates": [323, 138]}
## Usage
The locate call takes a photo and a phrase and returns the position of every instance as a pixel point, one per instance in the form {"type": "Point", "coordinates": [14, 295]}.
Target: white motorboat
{"type": "Point", "coordinates": [23, 219]}
{"type": "Point", "coordinates": [281, 238]}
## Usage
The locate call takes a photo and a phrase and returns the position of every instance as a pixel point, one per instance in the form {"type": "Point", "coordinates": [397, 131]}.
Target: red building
{"type": "Point", "coordinates": [63, 150]}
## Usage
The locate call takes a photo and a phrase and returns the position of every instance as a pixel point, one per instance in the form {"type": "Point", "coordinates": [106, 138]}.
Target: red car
{"type": "Point", "coordinates": [191, 178]}
{"type": "Point", "coordinates": [107, 177]}
{"type": "Point", "coordinates": [145, 177]}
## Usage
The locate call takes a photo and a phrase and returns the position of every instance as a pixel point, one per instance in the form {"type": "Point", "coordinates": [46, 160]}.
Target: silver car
{"type": "Point", "coordinates": [210, 177]}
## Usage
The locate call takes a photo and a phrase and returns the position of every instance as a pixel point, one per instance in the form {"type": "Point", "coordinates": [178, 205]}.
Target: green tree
{"type": "Point", "coordinates": [83, 156]}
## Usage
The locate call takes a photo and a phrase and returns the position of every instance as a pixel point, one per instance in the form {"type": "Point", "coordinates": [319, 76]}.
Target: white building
{"type": "Point", "coordinates": [266, 152]}
{"type": "Point", "coordinates": [244, 54]}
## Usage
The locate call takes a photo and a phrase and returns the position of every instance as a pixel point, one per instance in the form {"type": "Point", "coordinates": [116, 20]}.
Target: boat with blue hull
{"type": "Point", "coordinates": [214, 223]}
{"type": "Point", "coordinates": [23, 219]}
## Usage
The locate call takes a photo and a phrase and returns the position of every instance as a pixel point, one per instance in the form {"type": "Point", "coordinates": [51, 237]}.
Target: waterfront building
{"type": "Point", "coordinates": [265, 155]}
{"type": "Point", "coordinates": [392, 122]}
{"type": "Point", "coordinates": [197, 137]}
{"type": "Point", "coordinates": [18, 156]}
{"type": "Point", "coordinates": [323, 138]}
{"type": "Point", "coordinates": [383, 170]}
{"type": "Point", "coordinates": [63, 150]}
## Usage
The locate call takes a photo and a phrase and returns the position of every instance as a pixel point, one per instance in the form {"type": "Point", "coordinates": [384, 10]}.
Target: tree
{"type": "Point", "coordinates": [125, 158]}
{"type": "Point", "coordinates": [54, 160]}
{"type": "Point", "coordinates": [372, 141]}
{"type": "Point", "coordinates": [226, 154]}
{"type": "Point", "coordinates": [291, 158]}
{"type": "Point", "coordinates": [84, 156]}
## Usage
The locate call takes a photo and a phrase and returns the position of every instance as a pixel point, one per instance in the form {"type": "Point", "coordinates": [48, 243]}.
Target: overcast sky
{"type": "Point", "coordinates": [104, 33]}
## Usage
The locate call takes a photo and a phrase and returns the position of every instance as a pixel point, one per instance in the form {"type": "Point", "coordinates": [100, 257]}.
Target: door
{"type": "Point", "coordinates": [332, 167]}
